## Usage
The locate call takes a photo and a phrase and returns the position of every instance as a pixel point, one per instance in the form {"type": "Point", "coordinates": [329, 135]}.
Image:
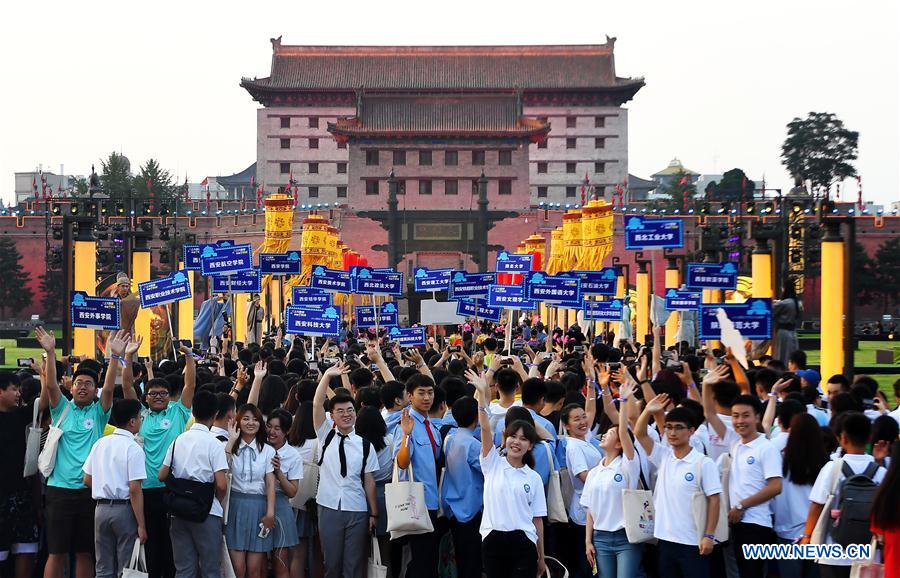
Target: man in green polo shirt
{"type": "Point", "coordinates": [70, 508]}
{"type": "Point", "coordinates": [164, 419]}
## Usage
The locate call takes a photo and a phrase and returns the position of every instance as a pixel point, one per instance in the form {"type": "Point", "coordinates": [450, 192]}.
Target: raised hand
{"type": "Point", "coordinates": [260, 370]}
{"type": "Point", "coordinates": [717, 374]}
{"type": "Point", "coordinates": [133, 345]}
{"type": "Point", "coordinates": [46, 339]}
{"type": "Point", "coordinates": [407, 422]}
{"type": "Point", "coordinates": [658, 403]}
{"type": "Point", "coordinates": [339, 368]}
{"type": "Point", "coordinates": [118, 342]}
{"type": "Point", "coordinates": [627, 391]}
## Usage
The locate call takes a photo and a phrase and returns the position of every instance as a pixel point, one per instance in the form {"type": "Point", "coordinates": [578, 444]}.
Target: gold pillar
{"type": "Point", "coordinates": [85, 280]}
{"type": "Point", "coordinates": [673, 281]}
{"type": "Point", "coordinates": [832, 314]}
{"type": "Point", "coordinates": [275, 299]}
{"type": "Point", "coordinates": [712, 296]}
{"type": "Point", "coordinates": [761, 265]}
{"type": "Point", "coordinates": [620, 285]}
{"type": "Point", "coordinates": [140, 272]}
{"type": "Point", "coordinates": [186, 310]}
{"type": "Point", "coordinates": [239, 326]}
{"type": "Point", "coordinates": [642, 286]}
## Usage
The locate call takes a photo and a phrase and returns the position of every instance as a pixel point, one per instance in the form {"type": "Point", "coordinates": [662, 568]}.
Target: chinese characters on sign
{"type": "Point", "coordinates": [175, 287]}
{"type": "Point", "coordinates": [753, 319]}
{"type": "Point", "coordinates": [94, 312]}
{"type": "Point", "coordinates": [644, 233]}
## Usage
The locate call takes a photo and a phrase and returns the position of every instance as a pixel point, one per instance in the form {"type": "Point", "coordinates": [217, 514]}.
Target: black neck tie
{"type": "Point", "coordinates": [342, 455]}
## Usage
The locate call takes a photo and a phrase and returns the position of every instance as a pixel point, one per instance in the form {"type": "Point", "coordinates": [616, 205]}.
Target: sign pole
{"type": "Point", "coordinates": [509, 321]}
{"type": "Point", "coordinates": [172, 331]}
{"type": "Point", "coordinates": [375, 310]}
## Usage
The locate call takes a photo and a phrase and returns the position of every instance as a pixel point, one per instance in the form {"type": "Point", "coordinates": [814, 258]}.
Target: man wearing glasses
{"type": "Point", "coordinates": [346, 496]}
{"type": "Point", "coordinates": [69, 505]}
{"type": "Point", "coordinates": [682, 472]}
{"type": "Point", "coordinates": [164, 419]}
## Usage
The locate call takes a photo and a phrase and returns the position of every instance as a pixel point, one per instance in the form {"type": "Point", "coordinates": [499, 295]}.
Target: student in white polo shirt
{"type": "Point", "coordinates": [200, 457]}
{"type": "Point", "coordinates": [682, 472]}
{"type": "Point", "coordinates": [114, 471]}
{"type": "Point", "coordinates": [755, 476]}
{"type": "Point", "coordinates": [348, 507]}
{"type": "Point", "coordinates": [512, 527]}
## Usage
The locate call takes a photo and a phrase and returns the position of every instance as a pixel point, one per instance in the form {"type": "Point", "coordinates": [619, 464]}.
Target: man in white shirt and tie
{"type": "Point", "coordinates": [114, 471]}
{"type": "Point", "coordinates": [198, 456]}
{"type": "Point", "coordinates": [348, 508]}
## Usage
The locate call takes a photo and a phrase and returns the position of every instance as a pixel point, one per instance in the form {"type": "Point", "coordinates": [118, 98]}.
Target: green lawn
{"type": "Point", "coordinates": [13, 353]}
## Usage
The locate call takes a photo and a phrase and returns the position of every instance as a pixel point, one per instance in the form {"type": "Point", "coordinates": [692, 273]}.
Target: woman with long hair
{"type": "Point", "coordinates": [803, 457]}
{"type": "Point", "coordinates": [512, 528]}
{"type": "Point", "coordinates": [371, 427]}
{"type": "Point", "coordinates": [251, 505]}
{"type": "Point", "coordinates": [886, 515]}
{"type": "Point", "coordinates": [302, 437]}
{"type": "Point", "coordinates": [786, 313]}
{"type": "Point", "coordinates": [288, 469]}
{"type": "Point", "coordinates": [606, 544]}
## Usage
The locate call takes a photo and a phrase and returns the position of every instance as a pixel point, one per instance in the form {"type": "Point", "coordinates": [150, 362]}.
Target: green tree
{"type": "Point", "coordinates": [887, 272]}
{"type": "Point", "coordinates": [153, 179]}
{"type": "Point", "coordinates": [81, 187]}
{"type": "Point", "coordinates": [864, 276]}
{"type": "Point", "coordinates": [820, 150]}
{"type": "Point", "coordinates": [733, 187]}
{"type": "Point", "coordinates": [116, 177]}
{"type": "Point", "coordinates": [675, 191]}
{"type": "Point", "coordinates": [54, 290]}
{"type": "Point", "coordinates": [15, 295]}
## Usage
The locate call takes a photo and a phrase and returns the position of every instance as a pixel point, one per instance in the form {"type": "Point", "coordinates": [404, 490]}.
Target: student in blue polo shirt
{"type": "Point", "coordinates": [165, 418]}
{"type": "Point", "coordinates": [462, 491]}
{"type": "Point", "coordinates": [70, 507]}
{"type": "Point", "coordinates": [418, 442]}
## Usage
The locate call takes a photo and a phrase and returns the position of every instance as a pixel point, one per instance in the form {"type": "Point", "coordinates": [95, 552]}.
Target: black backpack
{"type": "Point", "coordinates": [855, 506]}
{"type": "Point", "coordinates": [188, 499]}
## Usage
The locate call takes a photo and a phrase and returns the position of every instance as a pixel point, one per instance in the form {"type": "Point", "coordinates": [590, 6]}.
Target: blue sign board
{"type": "Point", "coordinates": [603, 310]}
{"type": "Point", "coordinates": [330, 279]}
{"type": "Point", "coordinates": [540, 286]}
{"type": "Point", "coordinates": [753, 319]}
{"type": "Point", "coordinates": [432, 279]}
{"type": "Point", "coordinates": [175, 287]}
{"type": "Point", "coordinates": [683, 300]}
{"type": "Point", "coordinates": [309, 297]}
{"type": "Point", "coordinates": [509, 297]}
{"type": "Point", "coordinates": [602, 282]}
{"type": "Point", "coordinates": [467, 285]}
{"type": "Point", "coordinates": [192, 253]}
{"type": "Point", "coordinates": [513, 262]}
{"type": "Point", "coordinates": [477, 308]}
{"type": "Point", "coordinates": [94, 312]}
{"type": "Point", "coordinates": [280, 263]}
{"type": "Point", "coordinates": [226, 260]}
{"type": "Point", "coordinates": [712, 275]}
{"type": "Point", "coordinates": [243, 282]}
{"type": "Point", "coordinates": [387, 315]}
{"type": "Point", "coordinates": [644, 233]}
{"type": "Point", "coordinates": [408, 337]}
{"type": "Point", "coordinates": [369, 281]}
{"type": "Point", "coordinates": [325, 322]}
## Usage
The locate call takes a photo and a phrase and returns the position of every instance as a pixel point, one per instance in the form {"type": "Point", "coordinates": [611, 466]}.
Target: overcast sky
{"type": "Point", "coordinates": [160, 79]}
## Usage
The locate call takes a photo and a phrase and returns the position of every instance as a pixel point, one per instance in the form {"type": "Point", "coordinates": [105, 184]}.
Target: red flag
{"type": "Point", "coordinates": [683, 181]}
{"type": "Point", "coordinates": [295, 196]}
{"type": "Point", "coordinates": [207, 196]}
{"type": "Point", "coordinates": [204, 182]}
{"type": "Point", "coordinates": [258, 197]}
{"type": "Point", "coordinates": [252, 180]}
{"type": "Point", "coordinates": [859, 201]}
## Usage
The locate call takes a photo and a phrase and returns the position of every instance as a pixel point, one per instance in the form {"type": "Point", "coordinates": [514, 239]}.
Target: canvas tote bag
{"type": "Point", "coordinates": [637, 507]}
{"type": "Point", "coordinates": [375, 568]}
{"type": "Point", "coordinates": [820, 531]}
{"type": "Point", "coordinates": [407, 513]}
{"type": "Point", "coordinates": [308, 485]}
{"type": "Point", "coordinates": [556, 507]}
{"type": "Point", "coordinates": [137, 567]}
{"type": "Point", "coordinates": [699, 503]}
{"type": "Point", "coordinates": [47, 458]}
{"type": "Point", "coordinates": [33, 443]}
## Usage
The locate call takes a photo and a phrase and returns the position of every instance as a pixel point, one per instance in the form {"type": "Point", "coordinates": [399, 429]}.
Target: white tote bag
{"type": "Point", "coordinates": [407, 513]}
{"type": "Point", "coordinates": [226, 568]}
{"type": "Point", "coordinates": [565, 480]}
{"type": "Point", "coordinates": [308, 485]}
{"type": "Point", "coordinates": [820, 531]}
{"type": "Point", "coordinates": [47, 459]}
{"type": "Point", "coordinates": [556, 507]}
{"type": "Point", "coordinates": [33, 443]}
{"type": "Point", "coordinates": [637, 507]}
{"type": "Point", "coordinates": [868, 568]}
{"type": "Point", "coordinates": [137, 566]}
{"type": "Point", "coordinates": [699, 508]}
{"type": "Point", "coordinates": [375, 568]}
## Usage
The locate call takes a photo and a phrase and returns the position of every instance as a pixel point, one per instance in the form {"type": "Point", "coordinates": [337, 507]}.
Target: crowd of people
{"type": "Point", "coordinates": [604, 457]}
